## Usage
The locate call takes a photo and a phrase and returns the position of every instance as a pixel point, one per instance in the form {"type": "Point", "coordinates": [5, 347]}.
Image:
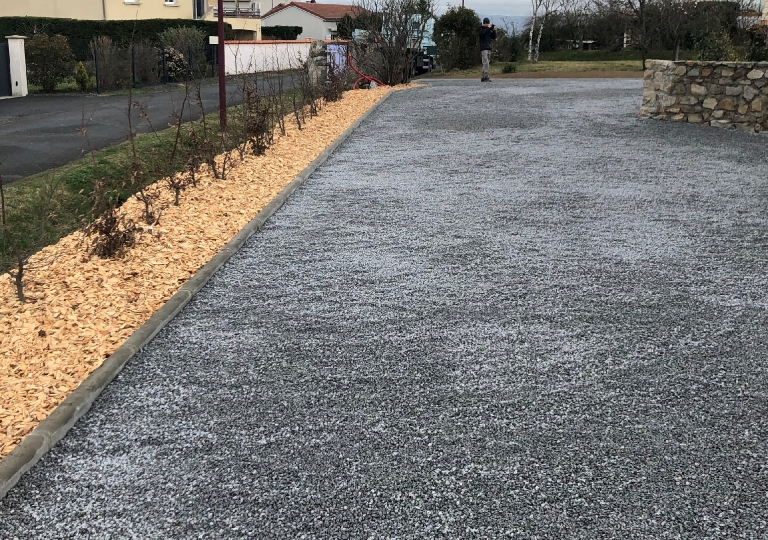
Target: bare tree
{"type": "Point", "coordinates": [575, 14]}
{"type": "Point", "coordinates": [674, 17]}
{"type": "Point", "coordinates": [751, 11]}
{"type": "Point", "coordinates": [394, 30]}
{"type": "Point", "coordinates": [641, 21]}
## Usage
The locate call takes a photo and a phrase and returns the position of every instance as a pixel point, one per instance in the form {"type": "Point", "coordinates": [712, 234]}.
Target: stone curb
{"type": "Point", "coordinates": [55, 426]}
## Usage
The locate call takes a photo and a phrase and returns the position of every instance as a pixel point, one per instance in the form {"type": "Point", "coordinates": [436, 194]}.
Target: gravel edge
{"type": "Point", "coordinates": [51, 430]}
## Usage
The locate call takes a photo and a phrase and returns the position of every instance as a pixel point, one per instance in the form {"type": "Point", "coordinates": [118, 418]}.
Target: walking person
{"type": "Point", "coordinates": [487, 34]}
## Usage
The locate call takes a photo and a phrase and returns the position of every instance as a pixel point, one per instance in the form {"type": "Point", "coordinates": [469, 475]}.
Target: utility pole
{"type": "Point", "coordinates": [222, 71]}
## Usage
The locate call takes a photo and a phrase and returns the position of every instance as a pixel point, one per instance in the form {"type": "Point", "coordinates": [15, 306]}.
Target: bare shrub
{"type": "Point", "coordinates": [111, 234]}
{"type": "Point", "coordinates": [208, 145]}
{"type": "Point", "coordinates": [146, 58]}
{"type": "Point", "coordinates": [258, 128]}
{"type": "Point", "coordinates": [177, 182]}
{"type": "Point", "coordinates": [23, 231]}
{"type": "Point", "coordinates": [113, 64]}
{"type": "Point", "coordinates": [141, 178]}
{"type": "Point", "coordinates": [337, 82]}
{"type": "Point", "coordinates": [275, 98]}
{"type": "Point", "coordinates": [254, 120]}
{"type": "Point", "coordinates": [149, 197]}
{"type": "Point", "coordinates": [106, 233]}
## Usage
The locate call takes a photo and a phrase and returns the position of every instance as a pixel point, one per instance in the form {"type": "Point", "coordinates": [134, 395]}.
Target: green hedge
{"type": "Point", "coordinates": [80, 33]}
{"type": "Point", "coordinates": [281, 32]}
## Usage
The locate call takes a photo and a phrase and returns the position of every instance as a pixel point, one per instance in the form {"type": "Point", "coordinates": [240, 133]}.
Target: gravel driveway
{"type": "Point", "coordinates": [509, 310]}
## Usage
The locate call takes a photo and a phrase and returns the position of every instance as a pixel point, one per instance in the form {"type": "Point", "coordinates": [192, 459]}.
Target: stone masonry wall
{"type": "Point", "coordinates": [721, 94]}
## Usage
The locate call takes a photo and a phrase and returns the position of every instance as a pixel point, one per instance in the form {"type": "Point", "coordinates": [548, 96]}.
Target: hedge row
{"type": "Point", "coordinates": [281, 32]}
{"type": "Point", "coordinates": [80, 33]}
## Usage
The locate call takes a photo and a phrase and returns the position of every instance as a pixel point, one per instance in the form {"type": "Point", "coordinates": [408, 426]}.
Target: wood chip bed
{"type": "Point", "coordinates": [80, 310]}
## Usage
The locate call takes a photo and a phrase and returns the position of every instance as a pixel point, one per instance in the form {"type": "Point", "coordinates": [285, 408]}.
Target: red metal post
{"type": "Point", "coordinates": [222, 71]}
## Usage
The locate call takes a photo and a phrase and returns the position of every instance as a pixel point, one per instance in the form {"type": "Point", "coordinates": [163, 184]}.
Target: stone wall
{"type": "Point", "coordinates": [721, 94]}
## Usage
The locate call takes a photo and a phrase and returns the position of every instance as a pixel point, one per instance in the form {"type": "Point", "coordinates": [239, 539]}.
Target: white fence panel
{"type": "Point", "coordinates": [261, 56]}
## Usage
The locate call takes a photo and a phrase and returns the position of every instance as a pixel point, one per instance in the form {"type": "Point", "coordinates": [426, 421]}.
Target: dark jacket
{"type": "Point", "coordinates": [486, 36]}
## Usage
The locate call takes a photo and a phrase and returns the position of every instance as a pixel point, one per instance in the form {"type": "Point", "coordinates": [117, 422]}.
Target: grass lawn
{"type": "Point", "coordinates": [47, 206]}
{"type": "Point", "coordinates": [70, 87]}
{"type": "Point", "coordinates": [609, 56]}
{"type": "Point", "coordinates": [572, 61]}
{"type": "Point", "coordinates": [545, 66]}
{"type": "Point", "coordinates": [577, 65]}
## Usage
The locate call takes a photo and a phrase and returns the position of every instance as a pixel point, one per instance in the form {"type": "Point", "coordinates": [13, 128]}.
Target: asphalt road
{"type": "Point", "coordinates": [513, 310]}
{"type": "Point", "coordinates": [40, 132]}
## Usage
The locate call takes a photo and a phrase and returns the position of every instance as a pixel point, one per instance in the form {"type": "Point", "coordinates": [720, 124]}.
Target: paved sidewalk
{"type": "Point", "coordinates": [510, 310]}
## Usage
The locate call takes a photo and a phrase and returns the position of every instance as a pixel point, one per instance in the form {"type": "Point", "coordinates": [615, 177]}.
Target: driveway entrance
{"type": "Point", "coordinates": [5, 71]}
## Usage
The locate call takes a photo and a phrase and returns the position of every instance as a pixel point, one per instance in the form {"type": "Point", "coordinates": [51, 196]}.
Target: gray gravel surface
{"type": "Point", "coordinates": [509, 310]}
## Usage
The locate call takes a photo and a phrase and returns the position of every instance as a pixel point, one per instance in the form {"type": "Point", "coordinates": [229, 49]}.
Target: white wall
{"type": "Point", "coordinates": [70, 9]}
{"type": "Point", "coordinates": [258, 57]}
{"type": "Point", "coordinates": [312, 27]}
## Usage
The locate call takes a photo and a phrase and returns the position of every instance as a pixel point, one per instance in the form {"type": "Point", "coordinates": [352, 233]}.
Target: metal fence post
{"type": "Point", "coordinates": [133, 66]}
{"type": "Point", "coordinates": [165, 69]}
{"type": "Point", "coordinates": [96, 69]}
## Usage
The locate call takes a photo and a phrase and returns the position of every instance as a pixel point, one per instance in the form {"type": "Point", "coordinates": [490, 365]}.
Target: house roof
{"type": "Point", "coordinates": [327, 12]}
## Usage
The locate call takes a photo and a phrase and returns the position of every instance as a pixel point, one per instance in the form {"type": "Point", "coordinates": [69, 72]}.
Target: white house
{"type": "Point", "coordinates": [318, 21]}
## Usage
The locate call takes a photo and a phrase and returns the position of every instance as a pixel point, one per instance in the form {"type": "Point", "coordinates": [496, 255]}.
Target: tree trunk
{"type": "Point", "coordinates": [538, 40]}
{"type": "Point", "coordinates": [9, 238]}
{"type": "Point", "coordinates": [17, 279]}
{"type": "Point", "coordinates": [530, 38]}
{"type": "Point", "coordinates": [677, 49]}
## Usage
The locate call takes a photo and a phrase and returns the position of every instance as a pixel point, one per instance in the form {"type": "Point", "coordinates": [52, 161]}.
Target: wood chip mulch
{"type": "Point", "coordinates": [80, 310]}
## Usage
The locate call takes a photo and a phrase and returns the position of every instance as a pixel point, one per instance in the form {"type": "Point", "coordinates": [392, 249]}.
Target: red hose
{"type": "Point", "coordinates": [363, 77]}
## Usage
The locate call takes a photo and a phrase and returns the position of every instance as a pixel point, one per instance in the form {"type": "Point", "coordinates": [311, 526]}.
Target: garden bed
{"type": "Point", "coordinates": [81, 309]}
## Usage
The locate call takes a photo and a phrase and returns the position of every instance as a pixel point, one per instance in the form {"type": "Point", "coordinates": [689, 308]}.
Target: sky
{"type": "Point", "coordinates": [494, 9]}
{"type": "Point", "coordinates": [500, 8]}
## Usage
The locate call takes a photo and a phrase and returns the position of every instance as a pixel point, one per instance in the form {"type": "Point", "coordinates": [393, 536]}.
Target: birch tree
{"type": "Point", "coordinates": [547, 6]}
{"type": "Point", "coordinates": [536, 5]}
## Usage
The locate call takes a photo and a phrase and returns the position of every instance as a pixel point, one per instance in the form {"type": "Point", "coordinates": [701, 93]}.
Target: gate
{"type": "Point", "coordinates": [6, 89]}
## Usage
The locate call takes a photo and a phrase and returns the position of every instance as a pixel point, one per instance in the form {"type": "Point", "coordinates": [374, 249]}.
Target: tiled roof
{"type": "Point", "coordinates": [327, 12]}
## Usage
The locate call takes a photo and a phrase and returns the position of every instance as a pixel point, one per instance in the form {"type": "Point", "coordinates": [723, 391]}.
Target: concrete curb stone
{"type": "Point", "coordinates": [51, 430]}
